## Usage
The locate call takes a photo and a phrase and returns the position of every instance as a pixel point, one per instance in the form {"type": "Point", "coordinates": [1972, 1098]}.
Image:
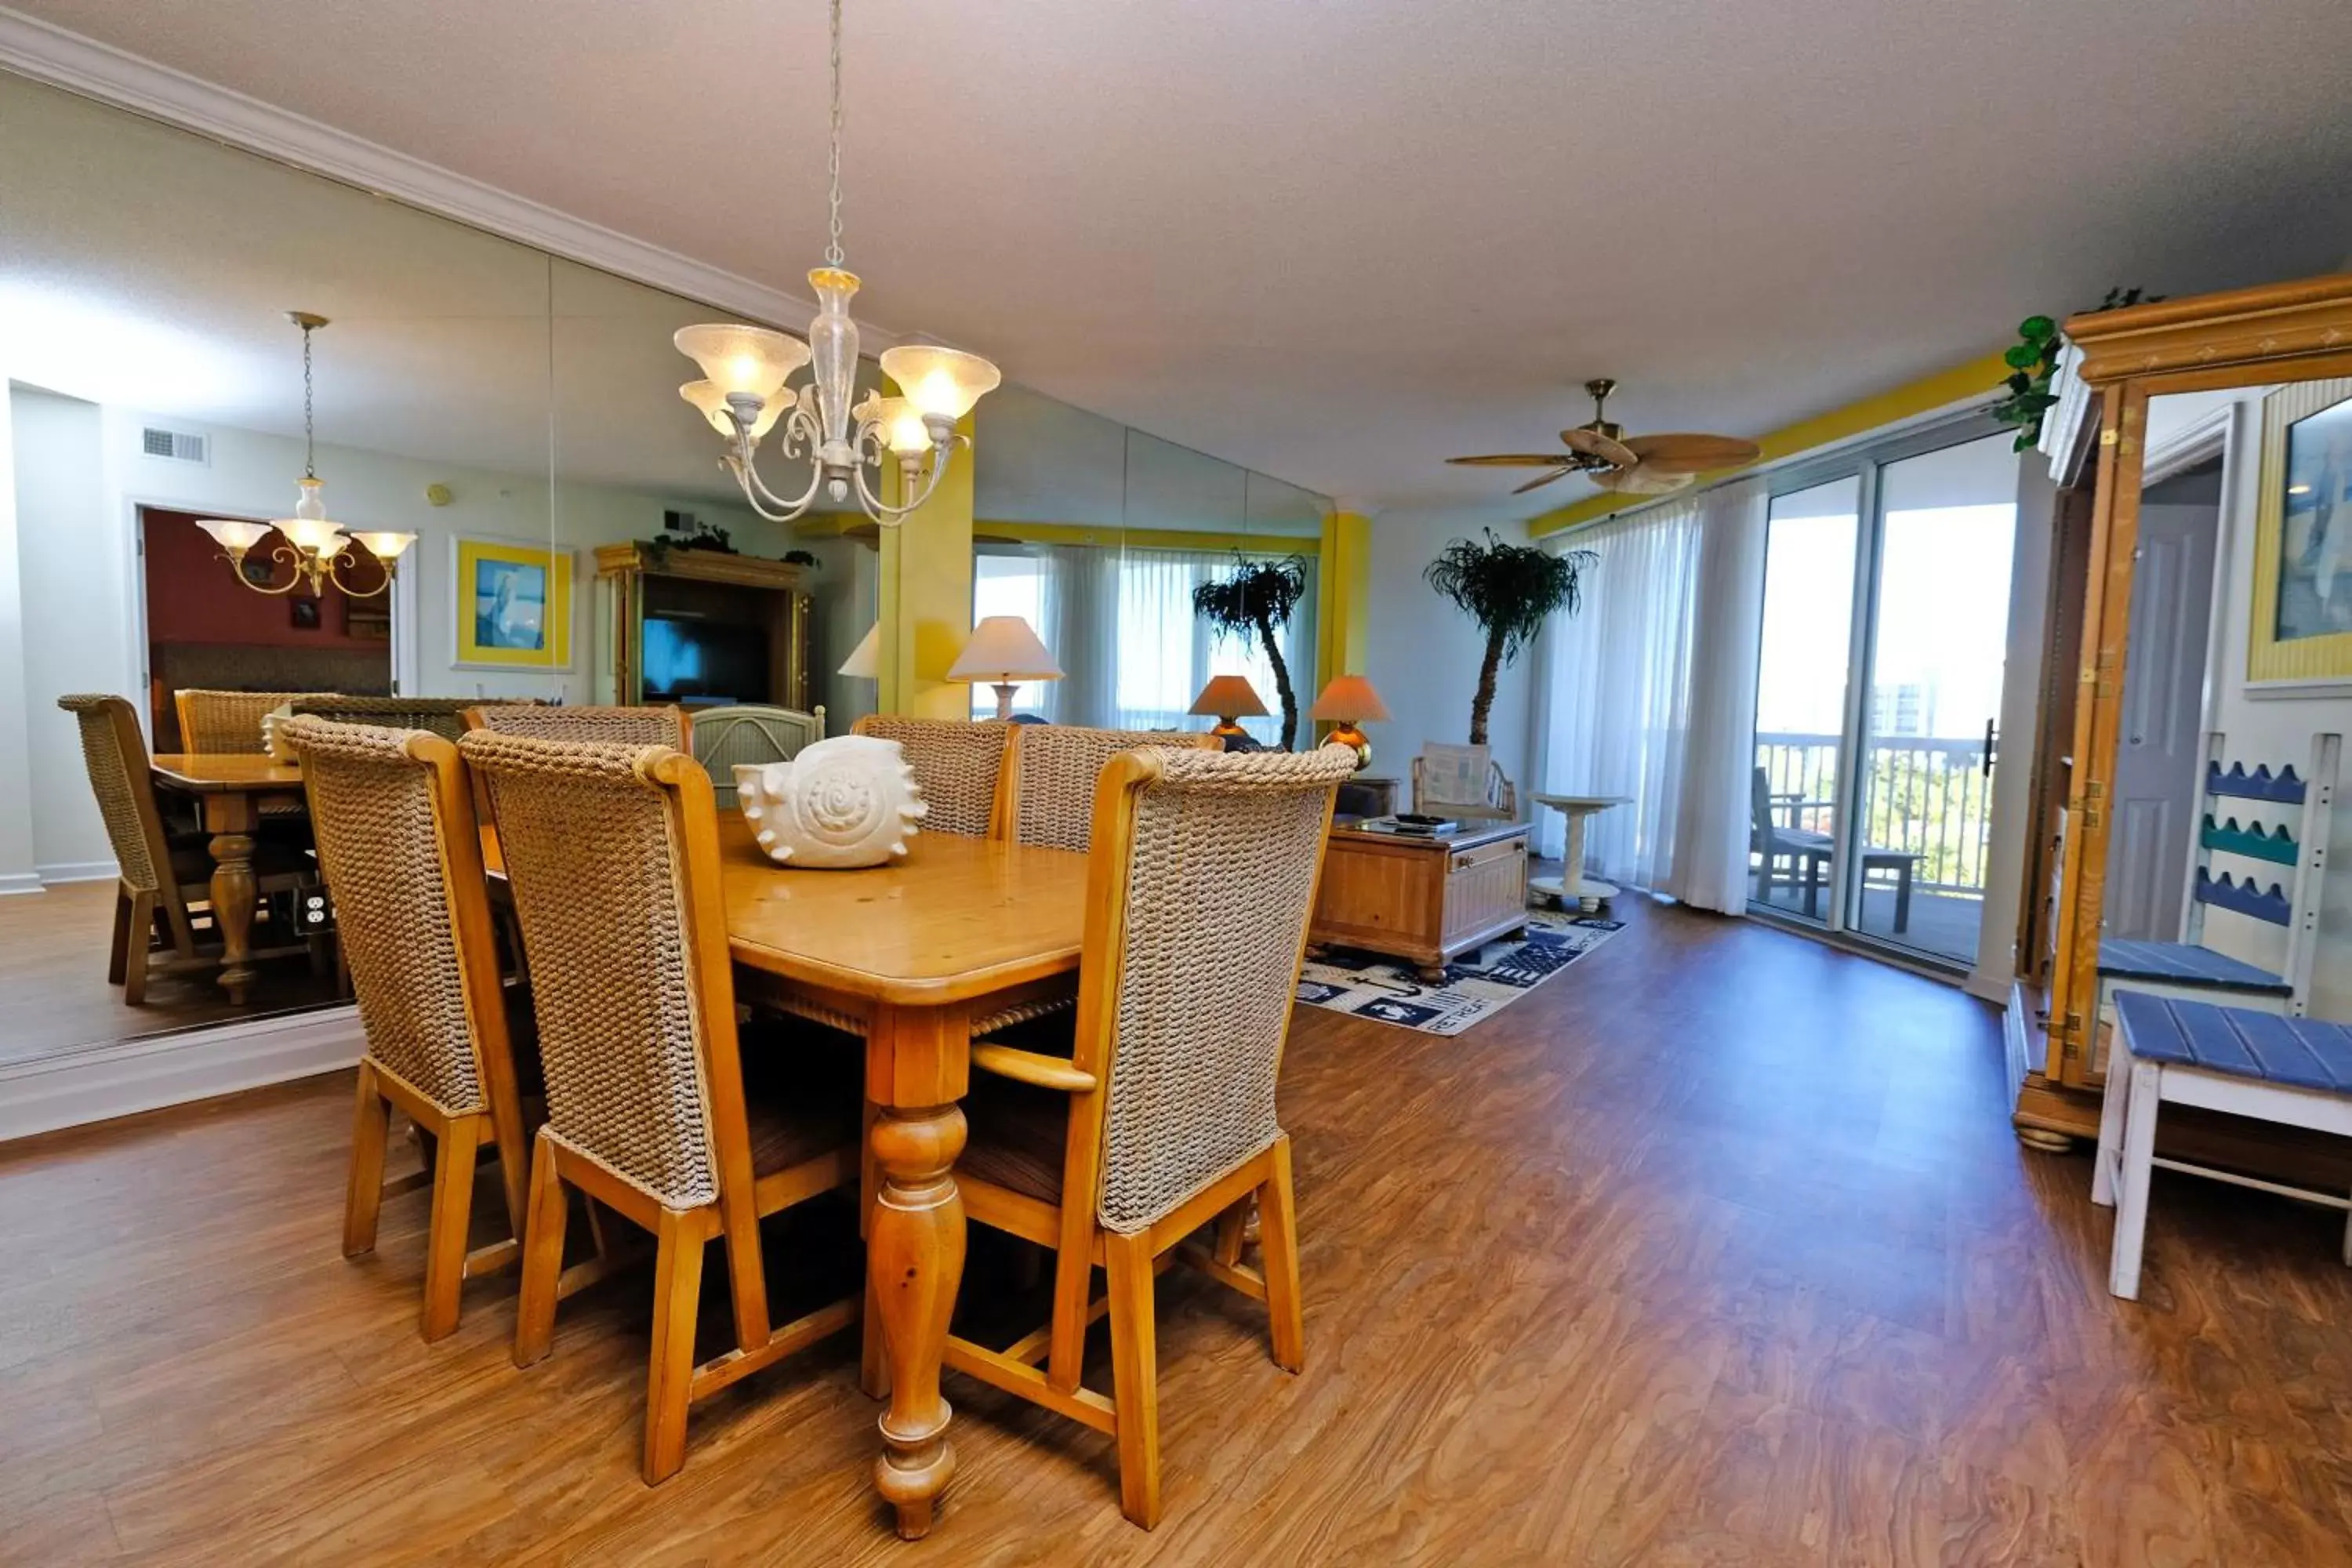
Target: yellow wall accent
{"type": "Point", "coordinates": [1110, 537]}
{"type": "Point", "coordinates": [1343, 595]}
{"type": "Point", "coordinates": [925, 602]}
{"type": "Point", "coordinates": [1978, 378]}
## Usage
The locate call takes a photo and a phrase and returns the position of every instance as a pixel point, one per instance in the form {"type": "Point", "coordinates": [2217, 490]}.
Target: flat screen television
{"type": "Point", "coordinates": [687, 658]}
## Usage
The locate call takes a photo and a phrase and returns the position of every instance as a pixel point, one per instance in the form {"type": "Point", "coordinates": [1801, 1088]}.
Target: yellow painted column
{"type": "Point", "coordinates": [1343, 598]}
{"type": "Point", "coordinates": [925, 602]}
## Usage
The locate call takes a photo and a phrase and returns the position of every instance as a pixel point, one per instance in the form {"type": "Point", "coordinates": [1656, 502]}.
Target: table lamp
{"type": "Point", "coordinates": [1227, 698]}
{"type": "Point", "coordinates": [1003, 652]}
{"type": "Point", "coordinates": [1347, 702]}
{"type": "Point", "coordinates": [864, 660]}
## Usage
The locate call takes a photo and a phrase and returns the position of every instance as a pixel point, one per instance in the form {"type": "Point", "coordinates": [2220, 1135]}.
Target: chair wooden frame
{"type": "Point", "coordinates": [455, 1141]}
{"type": "Point", "coordinates": [674, 1382]}
{"type": "Point", "coordinates": [1073, 1230]}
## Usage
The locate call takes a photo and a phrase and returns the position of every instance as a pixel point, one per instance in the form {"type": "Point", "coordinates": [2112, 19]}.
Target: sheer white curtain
{"type": "Point", "coordinates": [1650, 693]}
{"type": "Point", "coordinates": [1615, 703]}
{"type": "Point", "coordinates": [1166, 653]}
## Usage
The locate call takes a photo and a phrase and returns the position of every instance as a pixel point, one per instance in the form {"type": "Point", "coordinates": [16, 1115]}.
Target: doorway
{"type": "Point", "coordinates": [1878, 691]}
{"type": "Point", "coordinates": [208, 630]}
{"type": "Point", "coordinates": [2160, 746]}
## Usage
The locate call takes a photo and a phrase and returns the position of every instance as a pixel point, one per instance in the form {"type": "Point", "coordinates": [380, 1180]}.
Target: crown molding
{"type": "Point", "coordinates": [46, 53]}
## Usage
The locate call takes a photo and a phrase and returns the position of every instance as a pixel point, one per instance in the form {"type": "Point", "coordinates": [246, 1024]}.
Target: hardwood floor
{"type": "Point", "coordinates": [1718, 1249]}
{"type": "Point", "coordinates": [53, 994]}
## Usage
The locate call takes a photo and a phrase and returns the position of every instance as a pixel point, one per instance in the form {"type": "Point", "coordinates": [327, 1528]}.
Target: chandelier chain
{"type": "Point", "coordinates": [309, 458]}
{"type": "Point", "coordinates": [832, 160]}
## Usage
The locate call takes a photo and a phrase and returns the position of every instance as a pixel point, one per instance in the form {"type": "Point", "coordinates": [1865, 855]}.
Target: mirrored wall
{"type": "Point", "coordinates": [515, 413]}
{"type": "Point", "coordinates": [1101, 538]}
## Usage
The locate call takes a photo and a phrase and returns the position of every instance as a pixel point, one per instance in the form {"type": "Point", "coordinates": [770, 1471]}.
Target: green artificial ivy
{"type": "Point", "coordinates": [2033, 362]}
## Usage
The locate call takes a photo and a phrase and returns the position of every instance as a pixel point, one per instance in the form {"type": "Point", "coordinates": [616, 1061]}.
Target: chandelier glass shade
{"type": "Point", "coordinates": [315, 546]}
{"type": "Point", "coordinates": [845, 444]}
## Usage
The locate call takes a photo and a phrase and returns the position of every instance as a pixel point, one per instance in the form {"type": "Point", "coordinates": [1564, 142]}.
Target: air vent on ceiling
{"type": "Point", "coordinates": [178, 446]}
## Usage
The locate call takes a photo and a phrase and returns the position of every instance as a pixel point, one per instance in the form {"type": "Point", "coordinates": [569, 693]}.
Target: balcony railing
{"type": "Point", "coordinates": [1928, 797]}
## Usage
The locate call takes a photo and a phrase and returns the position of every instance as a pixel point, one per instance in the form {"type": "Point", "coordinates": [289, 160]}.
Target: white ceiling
{"type": "Point", "coordinates": [1338, 242]}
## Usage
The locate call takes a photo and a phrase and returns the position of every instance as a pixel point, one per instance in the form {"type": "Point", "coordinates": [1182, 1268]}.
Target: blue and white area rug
{"type": "Point", "coordinates": [1477, 984]}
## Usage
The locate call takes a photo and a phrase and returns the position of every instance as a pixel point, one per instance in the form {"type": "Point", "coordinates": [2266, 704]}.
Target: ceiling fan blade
{"type": "Point", "coordinates": [1541, 480]}
{"type": "Point", "coordinates": [1593, 444]}
{"type": "Point", "coordinates": [1516, 460]}
{"type": "Point", "coordinates": [1689, 452]}
{"type": "Point", "coordinates": [1642, 479]}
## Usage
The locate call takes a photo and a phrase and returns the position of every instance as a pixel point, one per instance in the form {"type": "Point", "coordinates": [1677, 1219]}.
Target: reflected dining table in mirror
{"type": "Point", "coordinates": [909, 954]}
{"type": "Point", "coordinates": [231, 789]}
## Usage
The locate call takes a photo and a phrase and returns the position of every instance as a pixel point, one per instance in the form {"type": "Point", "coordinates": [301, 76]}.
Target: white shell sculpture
{"type": "Point", "coordinates": [848, 801]}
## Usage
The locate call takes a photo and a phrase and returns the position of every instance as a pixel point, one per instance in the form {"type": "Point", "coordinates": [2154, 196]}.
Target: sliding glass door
{"type": "Point", "coordinates": [1886, 615]}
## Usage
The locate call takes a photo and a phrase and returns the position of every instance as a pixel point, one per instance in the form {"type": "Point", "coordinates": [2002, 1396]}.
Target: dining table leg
{"type": "Point", "coordinates": [917, 1062]}
{"type": "Point", "coordinates": [230, 817]}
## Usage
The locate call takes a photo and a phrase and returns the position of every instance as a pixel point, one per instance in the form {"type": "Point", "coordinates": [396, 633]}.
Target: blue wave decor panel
{"type": "Point", "coordinates": [2277, 846]}
{"type": "Point", "coordinates": [2284, 788]}
{"type": "Point", "coordinates": [2246, 897]}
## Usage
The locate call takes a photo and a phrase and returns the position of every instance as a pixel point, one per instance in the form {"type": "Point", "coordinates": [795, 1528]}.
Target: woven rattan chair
{"type": "Point", "coordinates": [402, 856]}
{"type": "Point", "coordinates": [1047, 796]}
{"type": "Point", "coordinates": [442, 716]}
{"type": "Point", "coordinates": [226, 722]}
{"type": "Point", "coordinates": [959, 766]}
{"type": "Point", "coordinates": [747, 736]}
{"type": "Point", "coordinates": [656, 726]}
{"type": "Point", "coordinates": [158, 874]}
{"type": "Point", "coordinates": [1161, 1120]}
{"type": "Point", "coordinates": [613, 852]}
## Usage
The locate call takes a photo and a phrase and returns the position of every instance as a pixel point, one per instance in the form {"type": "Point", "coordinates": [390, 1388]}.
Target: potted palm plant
{"type": "Point", "coordinates": [1507, 589]}
{"type": "Point", "coordinates": [1256, 597]}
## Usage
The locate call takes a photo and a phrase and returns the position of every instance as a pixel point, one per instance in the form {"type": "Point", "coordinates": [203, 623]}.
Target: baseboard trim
{"type": "Point", "coordinates": [15, 882]}
{"type": "Point", "coordinates": [98, 1083]}
{"type": "Point", "coordinates": [78, 871]}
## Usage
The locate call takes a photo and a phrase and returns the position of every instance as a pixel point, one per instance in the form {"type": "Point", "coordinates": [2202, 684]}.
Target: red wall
{"type": "Point", "coordinates": [193, 594]}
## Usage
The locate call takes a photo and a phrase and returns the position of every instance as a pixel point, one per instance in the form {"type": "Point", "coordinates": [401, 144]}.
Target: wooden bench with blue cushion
{"type": "Point", "coordinates": [2293, 1071]}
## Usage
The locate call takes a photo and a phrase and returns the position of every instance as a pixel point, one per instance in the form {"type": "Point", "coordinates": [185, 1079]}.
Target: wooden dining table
{"type": "Point", "coordinates": [909, 953]}
{"type": "Point", "coordinates": [231, 788]}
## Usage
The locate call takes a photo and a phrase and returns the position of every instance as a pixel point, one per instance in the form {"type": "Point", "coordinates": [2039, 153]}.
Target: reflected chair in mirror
{"type": "Point", "coordinates": [1462, 781]}
{"type": "Point", "coordinates": [959, 766]}
{"type": "Point", "coordinates": [216, 722]}
{"type": "Point", "coordinates": [664, 725]}
{"type": "Point", "coordinates": [612, 853]}
{"type": "Point", "coordinates": [748, 736]}
{"type": "Point", "coordinates": [1049, 794]}
{"type": "Point", "coordinates": [403, 859]}
{"type": "Point", "coordinates": [1161, 1118]}
{"type": "Point", "coordinates": [161, 875]}
{"type": "Point", "coordinates": [442, 716]}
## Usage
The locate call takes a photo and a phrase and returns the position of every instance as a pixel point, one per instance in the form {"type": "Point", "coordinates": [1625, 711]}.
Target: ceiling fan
{"type": "Point", "coordinates": [1630, 465]}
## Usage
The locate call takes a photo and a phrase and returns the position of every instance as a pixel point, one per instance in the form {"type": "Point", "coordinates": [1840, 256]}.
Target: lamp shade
{"type": "Point", "coordinates": [386, 545]}
{"type": "Point", "coordinates": [706, 396]}
{"type": "Point", "coordinates": [1348, 697]}
{"type": "Point", "coordinates": [742, 359]}
{"type": "Point", "coordinates": [1002, 648]}
{"type": "Point", "coordinates": [864, 660]}
{"type": "Point", "coordinates": [233, 534]}
{"type": "Point", "coordinates": [1228, 697]}
{"type": "Point", "coordinates": [944, 382]}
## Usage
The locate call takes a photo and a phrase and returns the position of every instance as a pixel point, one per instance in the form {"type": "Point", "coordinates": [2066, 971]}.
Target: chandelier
{"type": "Point", "coordinates": [743, 395]}
{"type": "Point", "coordinates": [315, 546]}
